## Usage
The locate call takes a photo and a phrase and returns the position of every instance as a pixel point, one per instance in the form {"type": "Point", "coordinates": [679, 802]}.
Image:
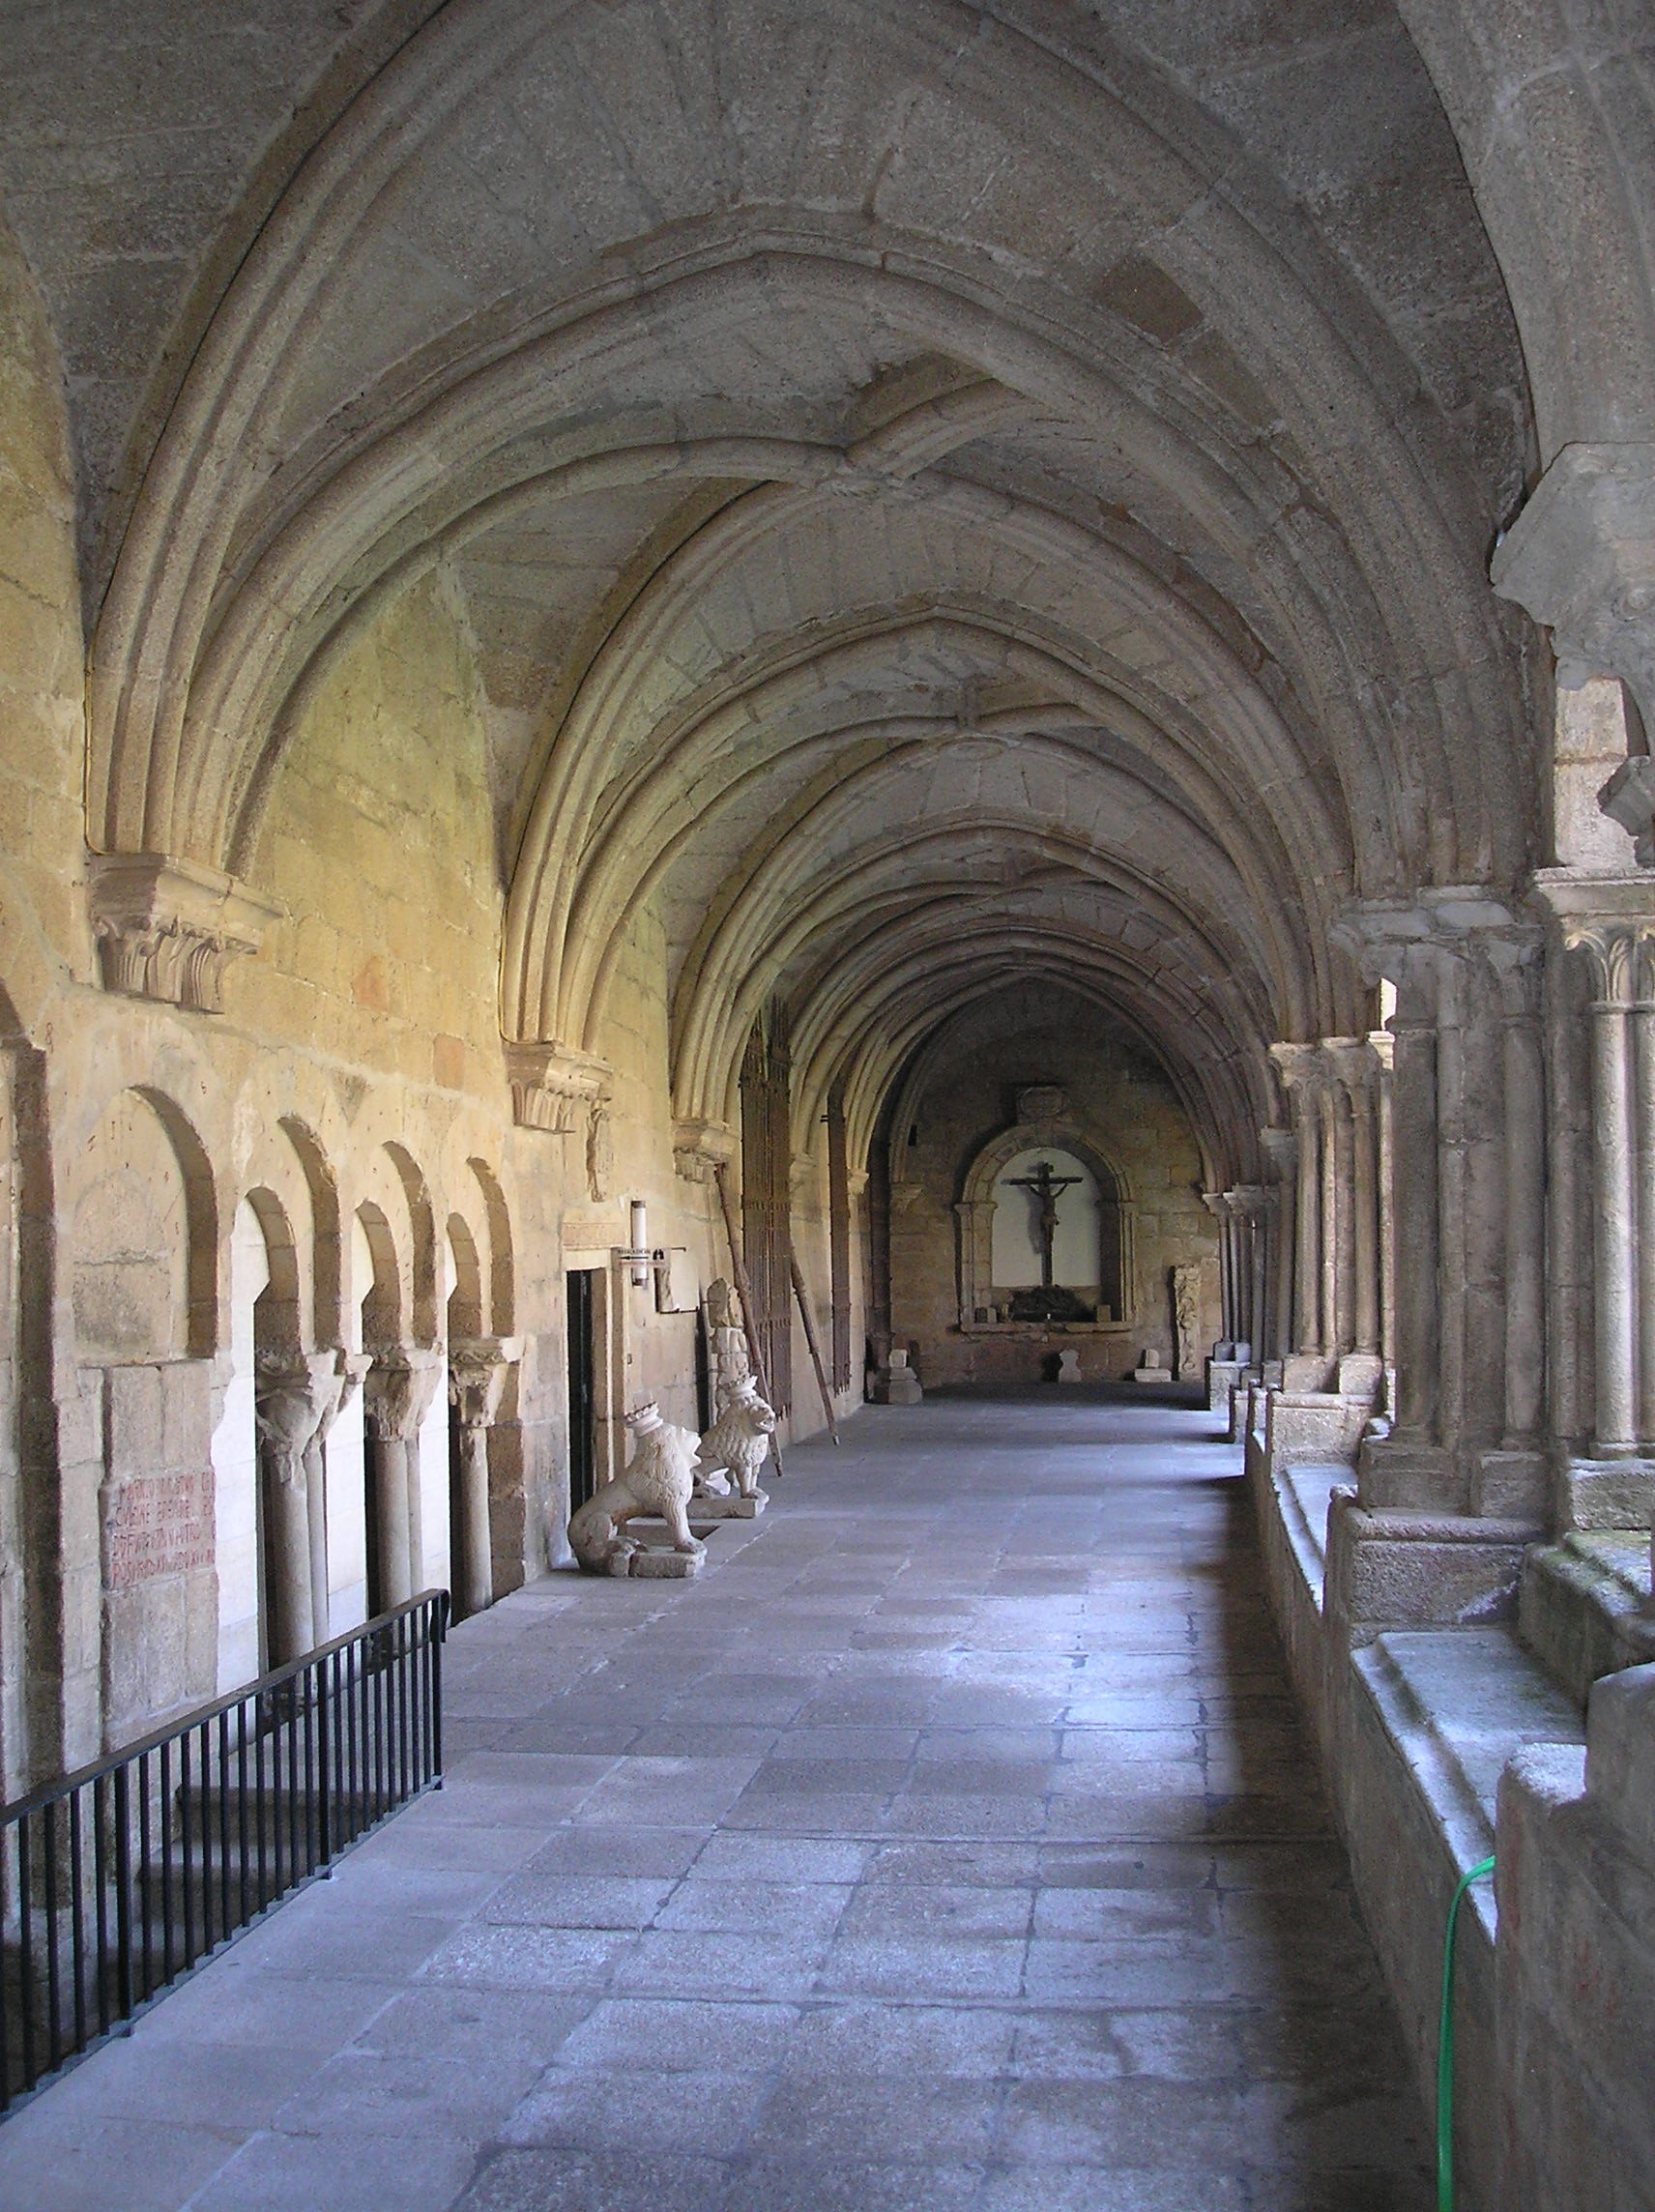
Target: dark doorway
{"type": "Point", "coordinates": [582, 1386]}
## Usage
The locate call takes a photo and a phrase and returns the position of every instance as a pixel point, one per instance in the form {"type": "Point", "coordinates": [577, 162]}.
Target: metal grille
{"type": "Point", "coordinates": [116, 1881]}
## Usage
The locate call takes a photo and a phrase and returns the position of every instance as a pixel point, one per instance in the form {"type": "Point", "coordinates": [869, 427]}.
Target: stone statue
{"type": "Point", "coordinates": [727, 1343]}
{"type": "Point", "coordinates": [1186, 1315]}
{"type": "Point", "coordinates": [738, 1442]}
{"type": "Point", "coordinates": [659, 1480]}
{"type": "Point", "coordinates": [599, 1154]}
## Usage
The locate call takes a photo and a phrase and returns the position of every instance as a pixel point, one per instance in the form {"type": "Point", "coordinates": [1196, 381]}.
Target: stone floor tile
{"type": "Point", "coordinates": [277, 2172]}
{"type": "Point", "coordinates": [954, 1844]}
{"type": "Point", "coordinates": [787, 2183]}
{"type": "Point", "coordinates": [678, 2034]}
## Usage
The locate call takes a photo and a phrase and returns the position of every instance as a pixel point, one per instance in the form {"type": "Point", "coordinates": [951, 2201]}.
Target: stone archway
{"type": "Point", "coordinates": [1039, 1130]}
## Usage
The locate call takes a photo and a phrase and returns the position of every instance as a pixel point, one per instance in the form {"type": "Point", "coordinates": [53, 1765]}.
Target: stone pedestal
{"type": "Point", "coordinates": [896, 1384]}
{"type": "Point", "coordinates": [734, 1507]}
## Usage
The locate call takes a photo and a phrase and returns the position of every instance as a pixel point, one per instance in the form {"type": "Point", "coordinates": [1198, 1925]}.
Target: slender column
{"type": "Point", "coordinates": [1307, 1318]}
{"type": "Point", "coordinates": [1260, 1255]}
{"type": "Point", "coordinates": [1615, 1212]}
{"type": "Point", "coordinates": [1381, 1044]}
{"type": "Point", "coordinates": [1524, 1082]}
{"type": "Point", "coordinates": [1356, 1064]}
{"type": "Point", "coordinates": [287, 1414]}
{"type": "Point", "coordinates": [398, 1393]}
{"type": "Point", "coordinates": [478, 1369]}
{"type": "Point", "coordinates": [1414, 1195]}
{"type": "Point", "coordinates": [1453, 1145]}
{"type": "Point", "coordinates": [1335, 1222]}
{"type": "Point", "coordinates": [1282, 1149]}
{"type": "Point", "coordinates": [1643, 1182]}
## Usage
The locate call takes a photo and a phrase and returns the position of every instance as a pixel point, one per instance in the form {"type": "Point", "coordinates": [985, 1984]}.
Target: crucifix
{"type": "Point", "coordinates": [1044, 1185]}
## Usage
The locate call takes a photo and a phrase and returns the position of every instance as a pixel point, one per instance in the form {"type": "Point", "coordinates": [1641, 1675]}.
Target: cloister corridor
{"type": "Point", "coordinates": [952, 1841]}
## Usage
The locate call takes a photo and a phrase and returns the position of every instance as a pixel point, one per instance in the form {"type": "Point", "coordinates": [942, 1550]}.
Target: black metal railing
{"type": "Point", "coordinates": [118, 1880]}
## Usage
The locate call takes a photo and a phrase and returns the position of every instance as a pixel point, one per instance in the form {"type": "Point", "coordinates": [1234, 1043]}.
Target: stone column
{"type": "Point", "coordinates": [1414, 1195]}
{"type": "Point", "coordinates": [1282, 1151]}
{"type": "Point", "coordinates": [1380, 1043]}
{"type": "Point", "coordinates": [478, 1369]}
{"type": "Point", "coordinates": [397, 1393]}
{"type": "Point", "coordinates": [1357, 1068]}
{"type": "Point", "coordinates": [1517, 966]}
{"type": "Point", "coordinates": [293, 1395]}
{"type": "Point", "coordinates": [1302, 1073]}
{"type": "Point", "coordinates": [1615, 1208]}
{"type": "Point", "coordinates": [1334, 1217]}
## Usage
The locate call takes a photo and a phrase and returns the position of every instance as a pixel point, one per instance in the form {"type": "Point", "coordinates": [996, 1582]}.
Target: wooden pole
{"type": "Point", "coordinates": [744, 1292]}
{"type": "Point", "coordinates": [809, 1321]}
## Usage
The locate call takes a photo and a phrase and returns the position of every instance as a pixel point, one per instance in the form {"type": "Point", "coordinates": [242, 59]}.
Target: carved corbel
{"type": "Point", "coordinates": [167, 928]}
{"type": "Point", "coordinates": [553, 1087]}
{"type": "Point", "coordinates": [1581, 557]}
{"type": "Point", "coordinates": [700, 1147]}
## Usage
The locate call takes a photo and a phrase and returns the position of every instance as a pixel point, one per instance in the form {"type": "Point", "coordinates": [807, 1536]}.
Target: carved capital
{"type": "Point", "coordinates": [700, 1147]}
{"type": "Point", "coordinates": [397, 1392]}
{"type": "Point", "coordinates": [1355, 1067]}
{"type": "Point", "coordinates": [167, 929]}
{"type": "Point", "coordinates": [1302, 1070]}
{"type": "Point", "coordinates": [295, 1400]}
{"type": "Point", "coordinates": [1611, 920]}
{"type": "Point", "coordinates": [477, 1368]}
{"type": "Point", "coordinates": [1252, 1201]}
{"type": "Point", "coordinates": [1397, 940]}
{"type": "Point", "coordinates": [553, 1087]}
{"type": "Point", "coordinates": [1581, 557]}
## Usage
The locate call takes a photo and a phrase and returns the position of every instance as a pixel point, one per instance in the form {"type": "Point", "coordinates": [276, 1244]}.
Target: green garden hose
{"type": "Point", "coordinates": [1445, 2049]}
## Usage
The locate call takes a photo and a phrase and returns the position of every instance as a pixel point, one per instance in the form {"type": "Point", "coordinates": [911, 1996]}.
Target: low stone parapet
{"type": "Point", "coordinates": [1313, 1427]}
{"type": "Point", "coordinates": [1584, 1605]}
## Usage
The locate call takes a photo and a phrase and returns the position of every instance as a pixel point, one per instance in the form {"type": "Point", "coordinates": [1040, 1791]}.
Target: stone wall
{"type": "Point", "coordinates": [1126, 1110]}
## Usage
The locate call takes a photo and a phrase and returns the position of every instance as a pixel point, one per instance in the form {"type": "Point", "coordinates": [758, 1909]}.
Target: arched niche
{"type": "Point", "coordinates": [1113, 1294]}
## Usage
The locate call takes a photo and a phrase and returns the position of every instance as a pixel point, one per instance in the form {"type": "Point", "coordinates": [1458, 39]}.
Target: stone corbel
{"type": "Point", "coordinates": [167, 928]}
{"type": "Point", "coordinates": [1580, 558]}
{"type": "Point", "coordinates": [700, 1147]}
{"type": "Point", "coordinates": [553, 1087]}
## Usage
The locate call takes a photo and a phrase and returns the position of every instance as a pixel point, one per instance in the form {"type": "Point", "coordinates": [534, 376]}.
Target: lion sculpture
{"type": "Point", "coordinates": [738, 1442]}
{"type": "Point", "coordinates": [659, 1480]}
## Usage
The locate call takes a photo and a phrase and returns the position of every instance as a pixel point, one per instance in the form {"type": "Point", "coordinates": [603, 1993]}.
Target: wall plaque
{"type": "Point", "coordinates": [157, 1525]}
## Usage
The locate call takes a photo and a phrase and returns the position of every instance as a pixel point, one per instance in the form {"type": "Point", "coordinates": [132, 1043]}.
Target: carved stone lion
{"type": "Point", "coordinates": [739, 1440]}
{"type": "Point", "coordinates": [659, 1480]}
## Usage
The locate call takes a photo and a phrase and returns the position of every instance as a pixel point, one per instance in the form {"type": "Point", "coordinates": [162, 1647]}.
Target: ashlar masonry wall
{"type": "Point", "coordinates": [1126, 1110]}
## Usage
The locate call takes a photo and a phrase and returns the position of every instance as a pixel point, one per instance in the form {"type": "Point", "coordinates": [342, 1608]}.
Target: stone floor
{"type": "Point", "coordinates": [952, 1840]}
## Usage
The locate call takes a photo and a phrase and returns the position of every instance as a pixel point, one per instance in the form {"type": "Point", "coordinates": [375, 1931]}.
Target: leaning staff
{"type": "Point", "coordinates": [744, 1292]}
{"type": "Point", "coordinates": [809, 1319]}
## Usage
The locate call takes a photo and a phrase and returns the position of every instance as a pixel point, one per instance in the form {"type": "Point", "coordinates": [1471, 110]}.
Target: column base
{"type": "Point", "coordinates": [1401, 1472]}
{"type": "Point", "coordinates": [1512, 1483]}
{"type": "Point", "coordinates": [1606, 1494]}
{"type": "Point", "coordinates": [1390, 1568]}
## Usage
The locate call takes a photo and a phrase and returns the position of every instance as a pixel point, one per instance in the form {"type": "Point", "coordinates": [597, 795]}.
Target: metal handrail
{"type": "Point", "coordinates": [121, 1879]}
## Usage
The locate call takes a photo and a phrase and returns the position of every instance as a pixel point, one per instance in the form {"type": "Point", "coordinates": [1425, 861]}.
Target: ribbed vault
{"type": "Point", "coordinates": [930, 507]}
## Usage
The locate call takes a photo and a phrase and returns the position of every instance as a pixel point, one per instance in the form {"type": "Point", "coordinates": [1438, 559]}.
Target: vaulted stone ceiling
{"type": "Point", "coordinates": [941, 495]}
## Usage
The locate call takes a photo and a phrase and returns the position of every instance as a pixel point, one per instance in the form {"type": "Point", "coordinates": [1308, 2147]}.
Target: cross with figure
{"type": "Point", "coordinates": [1044, 1186]}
